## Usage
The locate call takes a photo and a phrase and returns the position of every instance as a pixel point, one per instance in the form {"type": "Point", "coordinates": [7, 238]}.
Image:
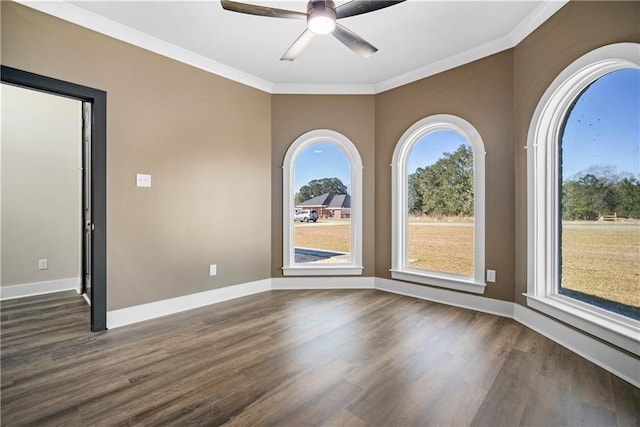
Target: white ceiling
{"type": "Point", "coordinates": [415, 39]}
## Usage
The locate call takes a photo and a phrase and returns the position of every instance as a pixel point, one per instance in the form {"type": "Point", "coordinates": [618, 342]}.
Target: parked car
{"type": "Point", "coordinates": [306, 215]}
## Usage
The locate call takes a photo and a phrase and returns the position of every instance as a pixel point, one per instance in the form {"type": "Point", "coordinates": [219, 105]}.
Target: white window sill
{"type": "Point", "coordinates": [444, 281]}
{"type": "Point", "coordinates": [618, 330]}
{"type": "Point", "coordinates": [325, 270]}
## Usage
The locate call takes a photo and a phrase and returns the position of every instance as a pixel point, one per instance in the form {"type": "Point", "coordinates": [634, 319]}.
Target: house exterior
{"type": "Point", "coordinates": [329, 205]}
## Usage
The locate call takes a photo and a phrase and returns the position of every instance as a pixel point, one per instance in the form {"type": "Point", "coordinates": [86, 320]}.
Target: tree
{"type": "Point", "coordinates": [629, 197]}
{"type": "Point", "coordinates": [600, 191]}
{"type": "Point", "coordinates": [445, 187]}
{"type": "Point", "coordinates": [415, 192]}
{"type": "Point", "coordinates": [320, 186]}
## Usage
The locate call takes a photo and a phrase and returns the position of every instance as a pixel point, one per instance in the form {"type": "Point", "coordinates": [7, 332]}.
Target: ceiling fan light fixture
{"type": "Point", "coordinates": [321, 24]}
{"type": "Point", "coordinates": [321, 17]}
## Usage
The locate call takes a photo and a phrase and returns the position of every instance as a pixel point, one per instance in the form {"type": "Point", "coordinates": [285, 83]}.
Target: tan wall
{"type": "Point", "coordinates": [576, 29]}
{"type": "Point", "coordinates": [41, 186]}
{"type": "Point", "coordinates": [212, 143]}
{"type": "Point", "coordinates": [352, 116]}
{"type": "Point", "coordinates": [204, 139]}
{"type": "Point", "coordinates": [482, 94]}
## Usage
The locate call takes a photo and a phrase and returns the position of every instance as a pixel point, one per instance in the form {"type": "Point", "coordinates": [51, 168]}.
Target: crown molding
{"type": "Point", "coordinates": [76, 15]}
{"type": "Point", "coordinates": [525, 27]}
{"type": "Point", "coordinates": [445, 64]}
{"type": "Point", "coordinates": [532, 21]}
{"type": "Point", "coordinates": [323, 89]}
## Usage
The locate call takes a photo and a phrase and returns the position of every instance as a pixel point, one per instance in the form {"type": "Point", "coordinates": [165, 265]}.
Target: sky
{"type": "Point", "coordinates": [325, 160]}
{"type": "Point", "coordinates": [432, 147]}
{"type": "Point", "coordinates": [603, 129]}
{"type": "Point", "coordinates": [321, 160]}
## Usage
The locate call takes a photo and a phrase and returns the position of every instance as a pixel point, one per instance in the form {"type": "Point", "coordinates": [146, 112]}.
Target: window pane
{"type": "Point", "coordinates": [322, 219]}
{"type": "Point", "coordinates": [600, 195]}
{"type": "Point", "coordinates": [440, 204]}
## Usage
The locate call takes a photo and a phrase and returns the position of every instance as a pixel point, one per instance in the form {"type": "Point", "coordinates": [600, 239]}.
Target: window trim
{"type": "Point", "coordinates": [290, 267]}
{"type": "Point", "coordinates": [542, 205]}
{"type": "Point", "coordinates": [399, 269]}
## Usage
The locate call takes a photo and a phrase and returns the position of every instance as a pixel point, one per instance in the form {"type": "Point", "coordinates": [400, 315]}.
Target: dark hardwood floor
{"type": "Point", "coordinates": [297, 358]}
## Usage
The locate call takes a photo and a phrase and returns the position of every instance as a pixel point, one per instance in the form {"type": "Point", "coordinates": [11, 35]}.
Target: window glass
{"type": "Point", "coordinates": [322, 202]}
{"type": "Point", "coordinates": [440, 204]}
{"type": "Point", "coordinates": [600, 195]}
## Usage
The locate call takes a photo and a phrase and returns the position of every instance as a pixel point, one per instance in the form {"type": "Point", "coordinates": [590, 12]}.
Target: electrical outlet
{"type": "Point", "coordinates": [213, 270]}
{"type": "Point", "coordinates": [43, 264]}
{"type": "Point", "coordinates": [143, 180]}
{"type": "Point", "coordinates": [491, 275]}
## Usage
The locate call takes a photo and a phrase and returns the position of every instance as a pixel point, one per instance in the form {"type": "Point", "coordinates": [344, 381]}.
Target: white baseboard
{"type": "Point", "coordinates": [607, 357]}
{"type": "Point", "coordinates": [152, 310]}
{"type": "Point", "coordinates": [610, 358]}
{"type": "Point", "coordinates": [457, 299]}
{"type": "Point", "coordinates": [140, 313]}
{"type": "Point", "coordinates": [39, 288]}
{"type": "Point", "coordinates": [281, 283]}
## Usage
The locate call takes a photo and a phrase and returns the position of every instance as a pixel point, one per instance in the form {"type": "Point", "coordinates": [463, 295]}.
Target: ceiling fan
{"type": "Point", "coordinates": [321, 18]}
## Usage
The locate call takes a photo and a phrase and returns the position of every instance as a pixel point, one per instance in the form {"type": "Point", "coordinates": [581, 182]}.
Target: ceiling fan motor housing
{"type": "Point", "coordinates": [321, 16]}
{"type": "Point", "coordinates": [321, 19]}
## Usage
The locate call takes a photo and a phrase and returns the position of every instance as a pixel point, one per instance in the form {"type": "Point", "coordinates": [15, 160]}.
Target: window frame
{"type": "Point", "coordinates": [399, 268]}
{"type": "Point", "coordinates": [543, 228]}
{"type": "Point", "coordinates": [290, 267]}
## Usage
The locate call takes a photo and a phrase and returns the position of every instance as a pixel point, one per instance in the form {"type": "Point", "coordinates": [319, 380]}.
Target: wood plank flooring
{"type": "Point", "coordinates": [297, 358]}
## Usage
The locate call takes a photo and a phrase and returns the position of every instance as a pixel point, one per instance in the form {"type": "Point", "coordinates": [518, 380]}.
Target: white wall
{"type": "Point", "coordinates": [40, 172]}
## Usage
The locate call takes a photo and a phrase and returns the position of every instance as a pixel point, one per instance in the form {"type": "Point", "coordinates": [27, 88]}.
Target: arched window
{"type": "Point", "coordinates": [438, 204]}
{"type": "Point", "coordinates": [584, 196]}
{"type": "Point", "coordinates": [322, 206]}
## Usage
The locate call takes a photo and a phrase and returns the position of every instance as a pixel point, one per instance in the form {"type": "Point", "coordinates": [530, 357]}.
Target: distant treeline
{"type": "Point", "coordinates": [600, 191]}
{"type": "Point", "coordinates": [445, 188]}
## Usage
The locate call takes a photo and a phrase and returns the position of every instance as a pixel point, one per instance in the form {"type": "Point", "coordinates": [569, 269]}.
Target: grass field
{"type": "Point", "coordinates": [324, 237]}
{"type": "Point", "coordinates": [446, 248]}
{"type": "Point", "coordinates": [597, 260]}
{"type": "Point", "coordinates": [603, 262]}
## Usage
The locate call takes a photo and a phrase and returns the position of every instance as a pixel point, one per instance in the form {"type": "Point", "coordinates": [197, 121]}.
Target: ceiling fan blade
{"type": "Point", "coordinates": [298, 46]}
{"type": "Point", "coordinates": [252, 9]}
{"type": "Point", "coordinates": [358, 7]}
{"type": "Point", "coordinates": [354, 41]}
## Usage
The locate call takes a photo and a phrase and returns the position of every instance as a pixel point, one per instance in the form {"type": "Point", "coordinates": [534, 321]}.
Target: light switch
{"type": "Point", "coordinates": [143, 180]}
{"type": "Point", "coordinates": [213, 270]}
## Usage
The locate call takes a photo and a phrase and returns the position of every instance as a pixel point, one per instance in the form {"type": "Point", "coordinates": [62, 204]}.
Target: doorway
{"type": "Point", "coordinates": [93, 155]}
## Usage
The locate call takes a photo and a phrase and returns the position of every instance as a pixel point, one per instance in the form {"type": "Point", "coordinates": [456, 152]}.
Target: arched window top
{"type": "Point", "coordinates": [550, 189]}
{"type": "Point", "coordinates": [553, 107]}
{"type": "Point", "coordinates": [322, 135]}
{"type": "Point", "coordinates": [408, 236]}
{"type": "Point", "coordinates": [346, 207]}
{"type": "Point", "coordinates": [432, 124]}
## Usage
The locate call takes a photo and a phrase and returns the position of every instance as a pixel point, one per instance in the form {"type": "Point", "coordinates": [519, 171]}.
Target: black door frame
{"type": "Point", "coordinates": [98, 99]}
